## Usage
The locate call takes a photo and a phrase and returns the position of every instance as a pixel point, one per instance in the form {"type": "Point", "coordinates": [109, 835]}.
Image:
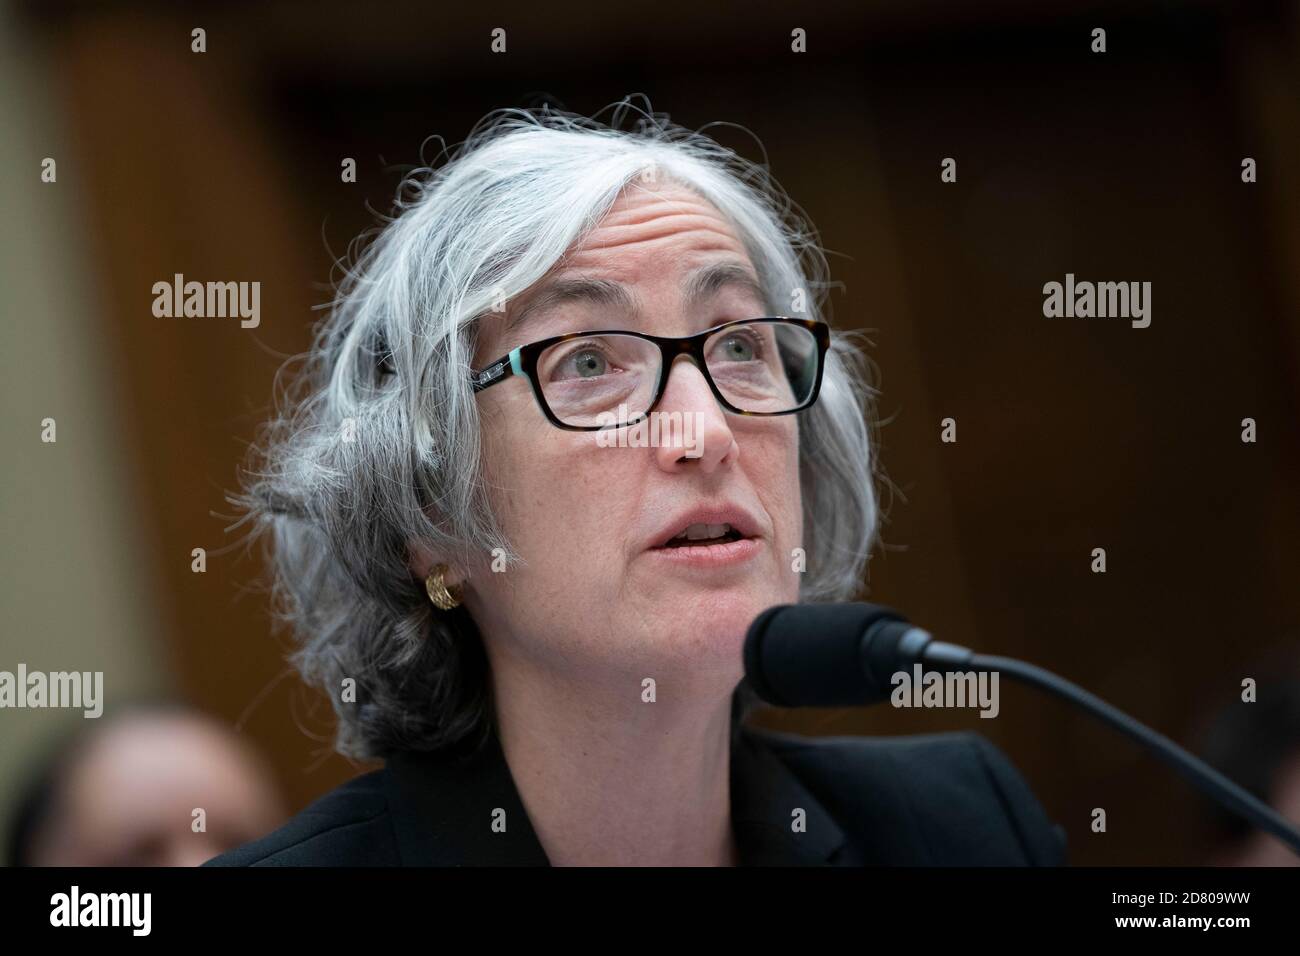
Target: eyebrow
{"type": "Point", "coordinates": [702, 284]}
{"type": "Point", "coordinates": [604, 292]}
{"type": "Point", "coordinates": [698, 287]}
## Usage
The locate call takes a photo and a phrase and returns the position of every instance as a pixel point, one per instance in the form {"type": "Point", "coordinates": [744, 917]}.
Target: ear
{"type": "Point", "coordinates": [422, 560]}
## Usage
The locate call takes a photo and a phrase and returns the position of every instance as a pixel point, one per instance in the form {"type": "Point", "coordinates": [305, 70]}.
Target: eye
{"type": "Point", "coordinates": [739, 346]}
{"type": "Point", "coordinates": [588, 362]}
{"type": "Point", "coordinates": [584, 360]}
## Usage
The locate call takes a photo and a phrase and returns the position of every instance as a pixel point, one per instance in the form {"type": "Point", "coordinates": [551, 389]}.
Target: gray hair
{"type": "Point", "coordinates": [376, 440]}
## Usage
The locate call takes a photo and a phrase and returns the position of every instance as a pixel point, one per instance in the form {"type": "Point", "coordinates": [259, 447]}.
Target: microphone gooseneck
{"type": "Point", "coordinates": [843, 655]}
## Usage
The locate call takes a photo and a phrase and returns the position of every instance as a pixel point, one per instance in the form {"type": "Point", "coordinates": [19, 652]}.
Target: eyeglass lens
{"type": "Point", "coordinates": [766, 367]}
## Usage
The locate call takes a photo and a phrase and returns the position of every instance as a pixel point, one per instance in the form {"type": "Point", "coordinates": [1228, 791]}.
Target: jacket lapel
{"type": "Point", "coordinates": [444, 805]}
{"type": "Point", "coordinates": [765, 795]}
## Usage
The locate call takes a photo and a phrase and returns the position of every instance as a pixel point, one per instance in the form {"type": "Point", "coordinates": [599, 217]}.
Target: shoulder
{"type": "Point", "coordinates": [349, 826]}
{"type": "Point", "coordinates": [947, 799]}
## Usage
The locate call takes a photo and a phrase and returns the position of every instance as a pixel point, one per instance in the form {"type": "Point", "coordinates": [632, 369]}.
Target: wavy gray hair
{"type": "Point", "coordinates": [376, 440]}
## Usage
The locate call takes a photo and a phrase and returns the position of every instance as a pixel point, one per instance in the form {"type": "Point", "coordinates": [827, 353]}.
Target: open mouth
{"type": "Point", "coordinates": [703, 535]}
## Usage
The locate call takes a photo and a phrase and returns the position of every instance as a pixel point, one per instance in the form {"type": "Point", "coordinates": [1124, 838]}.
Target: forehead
{"type": "Point", "coordinates": [653, 241]}
{"type": "Point", "coordinates": [646, 221]}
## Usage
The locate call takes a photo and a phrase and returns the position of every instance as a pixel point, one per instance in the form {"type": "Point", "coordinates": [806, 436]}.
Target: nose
{"type": "Point", "coordinates": [703, 436]}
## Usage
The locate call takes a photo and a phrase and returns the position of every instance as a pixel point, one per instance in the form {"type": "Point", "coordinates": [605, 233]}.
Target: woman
{"type": "Point", "coordinates": [539, 628]}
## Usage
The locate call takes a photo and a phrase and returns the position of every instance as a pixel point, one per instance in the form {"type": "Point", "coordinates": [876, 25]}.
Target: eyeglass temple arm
{"type": "Point", "coordinates": [500, 369]}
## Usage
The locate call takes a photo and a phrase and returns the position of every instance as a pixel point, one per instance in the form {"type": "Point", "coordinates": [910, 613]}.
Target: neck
{"type": "Point", "coordinates": [610, 780]}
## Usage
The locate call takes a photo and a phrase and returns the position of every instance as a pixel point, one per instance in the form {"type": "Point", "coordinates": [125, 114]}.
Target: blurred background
{"type": "Point", "coordinates": [1073, 434]}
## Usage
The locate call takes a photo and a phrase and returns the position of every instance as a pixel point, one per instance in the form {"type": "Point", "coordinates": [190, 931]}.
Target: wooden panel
{"type": "Point", "coordinates": [1072, 434]}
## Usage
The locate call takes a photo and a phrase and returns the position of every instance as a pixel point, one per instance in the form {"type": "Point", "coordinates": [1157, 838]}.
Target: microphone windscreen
{"type": "Point", "coordinates": [810, 655]}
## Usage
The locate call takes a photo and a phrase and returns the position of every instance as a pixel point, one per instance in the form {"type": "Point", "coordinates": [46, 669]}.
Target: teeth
{"type": "Point", "coordinates": [699, 532]}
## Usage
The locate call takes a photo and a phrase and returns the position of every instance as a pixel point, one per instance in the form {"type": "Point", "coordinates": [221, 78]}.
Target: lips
{"type": "Point", "coordinates": [699, 535]}
{"type": "Point", "coordinates": [704, 527]}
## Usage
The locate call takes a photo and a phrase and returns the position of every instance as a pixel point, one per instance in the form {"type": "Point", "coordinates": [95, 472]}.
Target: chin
{"type": "Point", "coordinates": [716, 622]}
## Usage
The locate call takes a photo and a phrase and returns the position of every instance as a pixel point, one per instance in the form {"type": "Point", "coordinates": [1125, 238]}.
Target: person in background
{"type": "Point", "coordinates": [1258, 746]}
{"type": "Point", "coordinates": [125, 793]}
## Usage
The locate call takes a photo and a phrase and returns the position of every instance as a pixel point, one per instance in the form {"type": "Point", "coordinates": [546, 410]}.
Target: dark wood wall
{"type": "Point", "coordinates": [1072, 434]}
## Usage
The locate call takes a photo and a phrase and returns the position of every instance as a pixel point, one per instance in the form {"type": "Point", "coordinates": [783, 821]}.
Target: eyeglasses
{"type": "Point", "coordinates": [590, 381]}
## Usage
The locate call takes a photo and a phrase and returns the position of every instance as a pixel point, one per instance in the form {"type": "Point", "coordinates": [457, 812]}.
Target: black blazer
{"type": "Point", "coordinates": [937, 799]}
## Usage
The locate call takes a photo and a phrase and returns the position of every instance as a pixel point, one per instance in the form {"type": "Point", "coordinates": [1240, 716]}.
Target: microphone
{"type": "Point", "coordinates": [843, 655]}
{"type": "Point", "coordinates": [835, 655]}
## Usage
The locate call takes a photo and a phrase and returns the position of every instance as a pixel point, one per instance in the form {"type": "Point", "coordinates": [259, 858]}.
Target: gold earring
{"type": "Point", "coordinates": [443, 597]}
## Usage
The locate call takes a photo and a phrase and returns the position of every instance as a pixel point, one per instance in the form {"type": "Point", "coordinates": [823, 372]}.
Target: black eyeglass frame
{"type": "Point", "coordinates": [523, 361]}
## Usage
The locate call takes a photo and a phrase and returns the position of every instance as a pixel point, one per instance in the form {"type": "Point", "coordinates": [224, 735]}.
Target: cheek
{"type": "Point", "coordinates": [553, 494]}
{"type": "Point", "coordinates": [796, 483]}
{"type": "Point", "coordinates": [774, 467]}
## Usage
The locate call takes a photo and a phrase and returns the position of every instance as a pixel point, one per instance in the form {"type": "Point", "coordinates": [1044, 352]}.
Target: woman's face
{"type": "Point", "coordinates": [596, 590]}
